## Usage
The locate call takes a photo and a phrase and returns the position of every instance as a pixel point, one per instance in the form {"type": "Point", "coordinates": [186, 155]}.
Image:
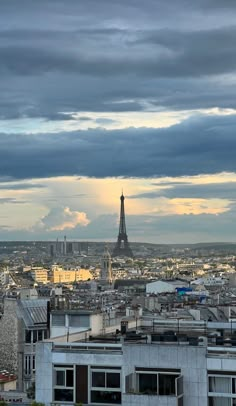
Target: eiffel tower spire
{"type": "Point", "coordinates": [122, 247]}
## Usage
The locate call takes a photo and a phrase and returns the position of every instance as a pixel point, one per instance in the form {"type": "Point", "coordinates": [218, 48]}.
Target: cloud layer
{"type": "Point", "coordinates": [114, 90]}
{"type": "Point", "coordinates": [201, 145]}
{"type": "Point", "coordinates": [115, 57]}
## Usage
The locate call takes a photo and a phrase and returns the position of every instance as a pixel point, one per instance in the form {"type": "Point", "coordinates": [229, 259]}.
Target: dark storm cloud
{"type": "Point", "coordinates": [152, 53]}
{"type": "Point", "coordinates": [203, 145]}
{"type": "Point", "coordinates": [113, 56]}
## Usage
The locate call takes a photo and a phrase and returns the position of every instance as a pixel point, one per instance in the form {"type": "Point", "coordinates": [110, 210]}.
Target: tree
{"type": "Point", "coordinates": [31, 391]}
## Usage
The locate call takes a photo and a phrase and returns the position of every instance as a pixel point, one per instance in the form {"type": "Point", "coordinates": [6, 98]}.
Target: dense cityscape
{"type": "Point", "coordinates": [86, 323]}
{"type": "Point", "coordinates": [117, 203]}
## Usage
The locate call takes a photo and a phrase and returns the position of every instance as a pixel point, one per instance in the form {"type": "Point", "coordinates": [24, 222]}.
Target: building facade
{"type": "Point", "coordinates": [24, 322]}
{"type": "Point", "coordinates": [39, 274]}
{"type": "Point", "coordinates": [106, 269]}
{"type": "Point", "coordinates": [61, 275]}
{"type": "Point", "coordinates": [137, 368]}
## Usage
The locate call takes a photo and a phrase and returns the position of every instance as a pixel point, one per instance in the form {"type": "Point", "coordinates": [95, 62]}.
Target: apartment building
{"type": "Point", "coordinates": [39, 274]}
{"type": "Point", "coordinates": [138, 367]}
{"type": "Point", "coordinates": [23, 323]}
{"type": "Point", "coordinates": [61, 275]}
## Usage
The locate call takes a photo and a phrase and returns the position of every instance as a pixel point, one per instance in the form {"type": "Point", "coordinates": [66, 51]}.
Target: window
{"type": "Point", "coordinates": [27, 366]}
{"type": "Point", "coordinates": [98, 379]}
{"type": "Point", "coordinates": [222, 390]}
{"type": "Point", "coordinates": [220, 384]}
{"type": "Point", "coordinates": [79, 320]}
{"type": "Point", "coordinates": [217, 401]}
{"type": "Point", "coordinates": [148, 383]}
{"type": "Point", "coordinates": [64, 384]}
{"type": "Point", "coordinates": [28, 336]}
{"type": "Point", "coordinates": [33, 363]}
{"type": "Point", "coordinates": [106, 397]}
{"type": "Point", "coordinates": [35, 336]}
{"type": "Point", "coordinates": [180, 401]}
{"type": "Point", "coordinates": [105, 386]}
{"type": "Point", "coordinates": [113, 380]}
{"type": "Point", "coordinates": [158, 383]}
{"type": "Point", "coordinates": [166, 384]}
{"type": "Point", "coordinates": [58, 320]}
{"type": "Point", "coordinates": [40, 335]}
{"type": "Point", "coordinates": [234, 385]}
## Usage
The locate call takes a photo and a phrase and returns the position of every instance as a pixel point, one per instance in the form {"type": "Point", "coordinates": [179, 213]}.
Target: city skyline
{"type": "Point", "coordinates": [100, 97]}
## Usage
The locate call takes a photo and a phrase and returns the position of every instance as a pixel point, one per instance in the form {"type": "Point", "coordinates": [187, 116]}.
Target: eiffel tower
{"type": "Point", "coordinates": [122, 248]}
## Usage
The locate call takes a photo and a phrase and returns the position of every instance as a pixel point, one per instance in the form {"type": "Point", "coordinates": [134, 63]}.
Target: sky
{"type": "Point", "coordinates": [100, 96]}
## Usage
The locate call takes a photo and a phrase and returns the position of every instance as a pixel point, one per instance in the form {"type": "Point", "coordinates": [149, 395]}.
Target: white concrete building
{"type": "Point", "coordinates": [159, 287]}
{"type": "Point", "coordinates": [128, 373]}
{"type": "Point", "coordinates": [140, 367]}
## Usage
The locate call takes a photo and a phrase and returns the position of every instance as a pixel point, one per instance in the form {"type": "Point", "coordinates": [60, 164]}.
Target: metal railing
{"type": "Point", "coordinates": [88, 347]}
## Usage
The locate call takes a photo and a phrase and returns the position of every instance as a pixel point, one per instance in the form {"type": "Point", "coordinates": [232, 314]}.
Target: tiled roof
{"type": "Point", "coordinates": [5, 376]}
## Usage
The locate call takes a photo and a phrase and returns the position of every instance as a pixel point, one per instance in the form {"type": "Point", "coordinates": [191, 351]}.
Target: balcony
{"type": "Point", "coordinates": [149, 400]}
{"type": "Point", "coordinates": [153, 387]}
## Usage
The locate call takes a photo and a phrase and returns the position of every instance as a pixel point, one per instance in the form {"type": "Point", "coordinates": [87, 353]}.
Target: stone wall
{"type": "Point", "coordinates": [9, 337]}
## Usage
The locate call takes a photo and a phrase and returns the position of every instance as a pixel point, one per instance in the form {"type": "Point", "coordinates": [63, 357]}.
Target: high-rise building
{"type": "Point", "coordinates": [64, 246]}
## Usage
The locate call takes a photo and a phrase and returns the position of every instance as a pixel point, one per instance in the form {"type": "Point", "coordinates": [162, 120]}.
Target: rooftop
{"type": "Point", "coordinates": [5, 376]}
{"type": "Point", "coordinates": [33, 312]}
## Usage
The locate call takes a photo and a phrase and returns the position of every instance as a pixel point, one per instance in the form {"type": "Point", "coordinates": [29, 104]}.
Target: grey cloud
{"type": "Point", "coordinates": [104, 121]}
{"type": "Point", "coordinates": [11, 200]}
{"type": "Point", "coordinates": [54, 116]}
{"type": "Point", "coordinates": [84, 118]}
{"type": "Point", "coordinates": [159, 53]}
{"type": "Point", "coordinates": [98, 60]}
{"type": "Point", "coordinates": [203, 145]}
{"type": "Point", "coordinates": [148, 228]}
{"type": "Point", "coordinates": [208, 191]}
{"type": "Point", "coordinates": [20, 186]}
{"type": "Point", "coordinates": [225, 190]}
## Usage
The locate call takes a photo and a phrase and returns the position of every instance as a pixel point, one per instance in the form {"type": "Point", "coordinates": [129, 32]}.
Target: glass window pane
{"type": "Point", "coordinates": [60, 378]}
{"type": "Point", "coordinates": [233, 385]}
{"type": "Point", "coordinates": [70, 378]}
{"type": "Point", "coordinates": [167, 384]}
{"type": "Point", "coordinates": [40, 335]}
{"type": "Point", "coordinates": [148, 383]}
{"type": "Point", "coordinates": [35, 336]}
{"type": "Point", "coordinates": [181, 401]}
{"type": "Point", "coordinates": [63, 395]}
{"type": "Point", "coordinates": [27, 336]}
{"type": "Point", "coordinates": [180, 385]}
{"type": "Point", "coordinates": [113, 380]}
{"type": "Point", "coordinates": [217, 401]}
{"type": "Point", "coordinates": [105, 397]}
{"type": "Point", "coordinates": [98, 380]}
{"type": "Point", "coordinates": [219, 384]}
